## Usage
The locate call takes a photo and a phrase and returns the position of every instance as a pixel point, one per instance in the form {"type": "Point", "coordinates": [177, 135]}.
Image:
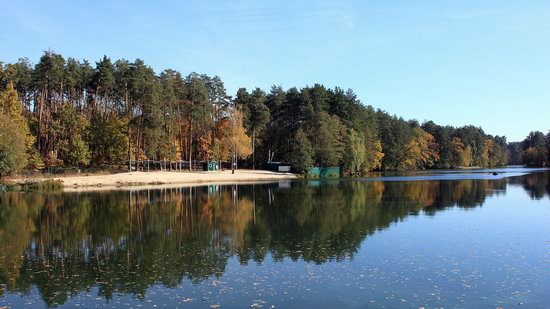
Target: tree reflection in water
{"type": "Point", "coordinates": [127, 241]}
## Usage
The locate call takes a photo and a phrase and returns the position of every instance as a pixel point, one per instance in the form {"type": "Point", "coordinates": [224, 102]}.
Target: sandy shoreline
{"type": "Point", "coordinates": [139, 179]}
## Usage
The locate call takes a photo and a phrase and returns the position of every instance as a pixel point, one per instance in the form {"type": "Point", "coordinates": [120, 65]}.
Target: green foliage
{"type": "Point", "coordinates": [71, 129]}
{"type": "Point", "coordinates": [13, 155]}
{"type": "Point", "coordinates": [34, 160]}
{"type": "Point", "coordinates": [330, 135]}
{"type": "Point", "coordinates": [108, 141]}
{"type": "Point", "coordinates": [15, 138]}
{"type": "Point", "coordinates": [535, 150]}
{"type": "Point", "coordinates": [115, 111]}
{"type": "Point", "coordinates": [514, 153]}
{"type": "Point", "coordinates": [170, 84]}
{"type": "Point", "coordinates": [302, 152]}
{"type": "Point", "coordinates": [78, 152]}
{"type": "Point", "coordinates": [355, 155]}
{"type": "Point", "coordinates": [256, 115]}
{"type": "Point", "coordinates": [42, 186]}
{"type": "Point", "coordinates": [47, 185]}
{"type": "Point", "coordinates": [11, 107]}
{"type": "Point", "coordinates": [103, 80]}
{"type": "Point", "coordinates": [395, 135]}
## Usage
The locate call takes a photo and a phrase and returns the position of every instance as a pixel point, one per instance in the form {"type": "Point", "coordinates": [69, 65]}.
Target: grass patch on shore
{"type": "Point", "coordinates": [32, 186]}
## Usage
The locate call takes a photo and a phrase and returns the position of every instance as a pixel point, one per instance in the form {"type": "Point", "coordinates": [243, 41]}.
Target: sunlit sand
{"type": "Point", "coordinates": [163, 178]}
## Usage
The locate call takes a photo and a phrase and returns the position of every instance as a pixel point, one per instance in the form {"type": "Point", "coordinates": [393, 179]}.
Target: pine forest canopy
{"type": "Point", "coordinates": [68, 112]}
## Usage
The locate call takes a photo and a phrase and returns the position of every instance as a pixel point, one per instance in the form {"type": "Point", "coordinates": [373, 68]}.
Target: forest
{"type": "Point", "coordinates": [64, 112]}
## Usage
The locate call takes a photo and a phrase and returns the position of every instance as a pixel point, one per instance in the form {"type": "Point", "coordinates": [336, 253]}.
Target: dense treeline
{"type": "Point", "coordinates": [121, 112]}
{"type": "Point", "coordinates": [111, 113]}
{"type": "Point", "coordinates": [534, 150]}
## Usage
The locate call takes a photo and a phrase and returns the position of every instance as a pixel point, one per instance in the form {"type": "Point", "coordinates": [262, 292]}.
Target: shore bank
{"type": "Point", "coordinates": [135, 179]}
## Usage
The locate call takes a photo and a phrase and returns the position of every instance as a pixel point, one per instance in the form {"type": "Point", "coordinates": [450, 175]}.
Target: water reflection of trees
{"type": "Point", "coordinates": [124, 242]}
{"type": "Point", "coordinates": [537, 185]}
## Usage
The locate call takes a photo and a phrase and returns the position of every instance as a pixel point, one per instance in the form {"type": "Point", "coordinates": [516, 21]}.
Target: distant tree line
{"type": "Point", "coordinates": [68, 112]}
{"type": "Point", "coordinates": [534, 150]}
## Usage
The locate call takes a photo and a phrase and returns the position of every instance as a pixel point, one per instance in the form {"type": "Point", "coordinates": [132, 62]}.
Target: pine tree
{"type": "Point", "coordinates": [256, 117]}
{"type": "Point", "coordinates": [302, 152]}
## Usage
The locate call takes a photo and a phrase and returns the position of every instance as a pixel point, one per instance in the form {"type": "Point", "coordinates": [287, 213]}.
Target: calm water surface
{"type": "Point", "coordinates": [427, 242]}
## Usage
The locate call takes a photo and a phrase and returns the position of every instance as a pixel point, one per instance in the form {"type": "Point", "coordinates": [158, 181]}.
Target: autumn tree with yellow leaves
{"type": "Point", "coordinates": [461, 155]}
{"type": "Point", "coordinates": [15, 138]}
{"type": "Point", "coordinates": [235, 143]}
{"type": "Point", "coordinates": [421, 152]}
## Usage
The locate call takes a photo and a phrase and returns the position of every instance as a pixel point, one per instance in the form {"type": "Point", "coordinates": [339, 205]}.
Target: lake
{"type": "Point", "coordinates": [445, 239]}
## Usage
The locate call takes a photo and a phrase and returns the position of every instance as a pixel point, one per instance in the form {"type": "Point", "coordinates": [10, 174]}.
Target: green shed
{"type": "Point", "coordinates": [211, 166]}
{"type": "Point", "coordinates": [324, 172]}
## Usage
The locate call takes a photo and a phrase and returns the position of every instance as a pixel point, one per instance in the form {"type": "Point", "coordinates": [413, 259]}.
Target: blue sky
{"type": "Point", "coordinates": [456, 62]}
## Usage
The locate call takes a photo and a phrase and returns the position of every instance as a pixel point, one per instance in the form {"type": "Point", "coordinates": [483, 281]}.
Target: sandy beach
{"type": "Point", "coordinates": [166, 178]}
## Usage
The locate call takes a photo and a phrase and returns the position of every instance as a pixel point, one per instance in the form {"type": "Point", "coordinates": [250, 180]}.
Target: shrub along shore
{"type": "Point", "coordinates": [36, 185]}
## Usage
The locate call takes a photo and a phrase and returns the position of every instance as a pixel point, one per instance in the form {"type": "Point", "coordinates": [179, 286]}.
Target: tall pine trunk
{"type": "Point", "coordinates": [253, 149]}
{"type": "Point", "coordinates": [129, 129]}
{"type": "Point", "coordinates": [190, 145]}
